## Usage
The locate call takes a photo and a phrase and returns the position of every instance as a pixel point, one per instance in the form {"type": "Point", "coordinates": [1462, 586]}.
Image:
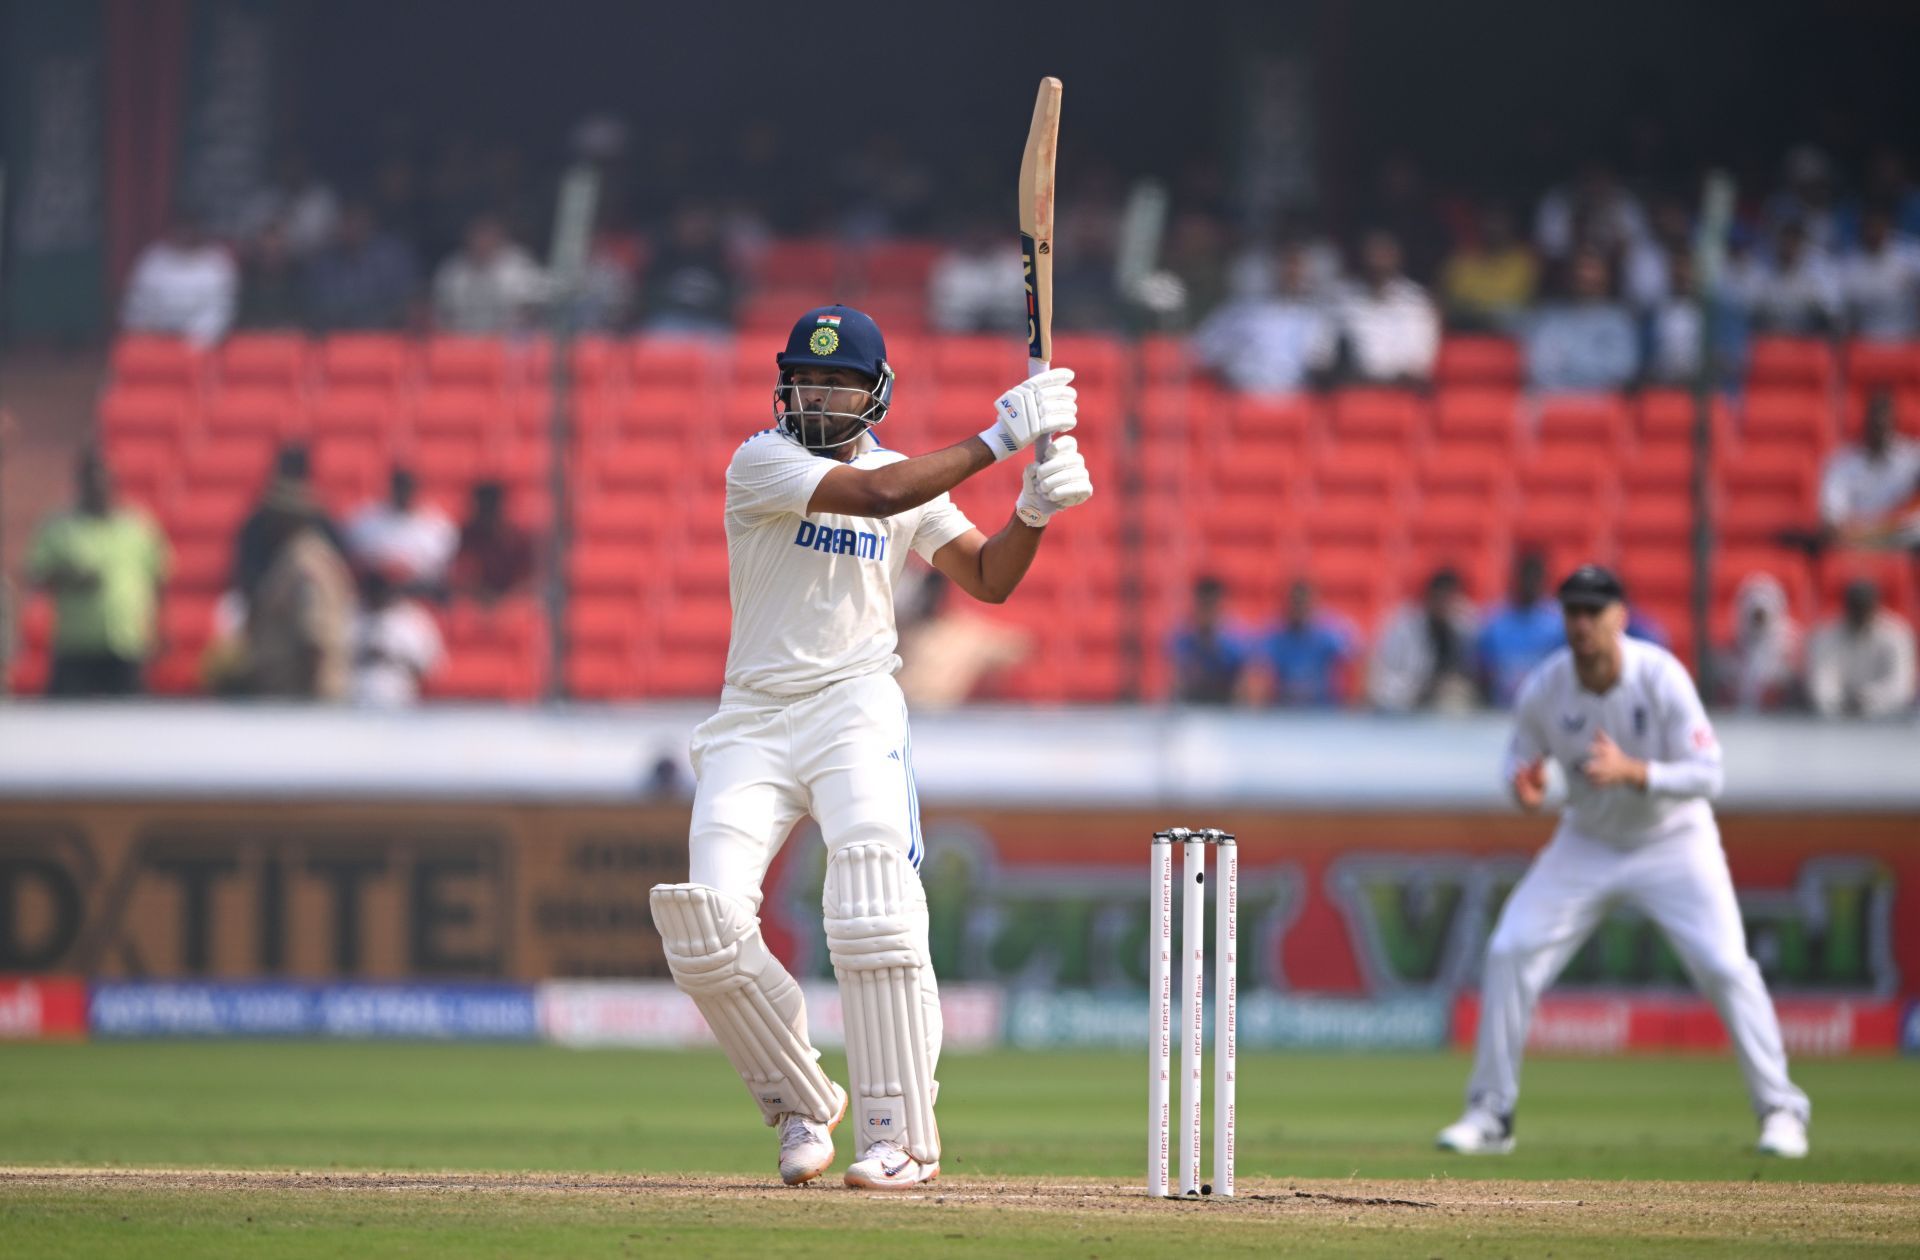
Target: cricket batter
{"type": "Point", "coordinates": [1623, 720]}
{"type": "Point", "coordinates": [819, 520]}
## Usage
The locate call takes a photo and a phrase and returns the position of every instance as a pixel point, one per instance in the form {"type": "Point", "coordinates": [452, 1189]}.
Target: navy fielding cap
{"type": "Point", "coordinates": [837, 336]}
{"type": "Point", "coordinates": [1591, 586]}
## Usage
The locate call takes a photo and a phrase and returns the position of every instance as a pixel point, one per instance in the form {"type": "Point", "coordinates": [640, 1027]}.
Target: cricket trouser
{"type": "Point", "coordinates": [1682, 884]}
{"type": "Point", "coordinates": [842, 755]}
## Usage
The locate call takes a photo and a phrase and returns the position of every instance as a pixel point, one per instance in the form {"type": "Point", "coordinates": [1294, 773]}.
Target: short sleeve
{"type": "Point", "coordinates": [939, 524]}
{"type": "Point", "coordinates": [771, 476]}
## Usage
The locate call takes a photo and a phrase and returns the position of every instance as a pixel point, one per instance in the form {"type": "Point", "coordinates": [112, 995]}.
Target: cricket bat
{"type": "Point", "coordinates": [1036, 231]}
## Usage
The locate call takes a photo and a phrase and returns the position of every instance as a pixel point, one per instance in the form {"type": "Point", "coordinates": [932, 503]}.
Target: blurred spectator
{"type": "Point", "coordinates": [411, 542]}
{"type": "Point", "coordinates": [1402, 206]}
{"type": "Point", "coordinates": [1861, 664]}
{"type": "Point", "coordinates": [1865, 488]}
{"type": "Point", "coordinates": [183, 284]}
{"type": "Point", "coordinates": [1390, 332]}
{"type": "Point", "coordinates": [1890, 185]}
{"type": "Point", "coordinates": [1594, 210]}
{"type": "Point", "coordinates": [1808, 201]}
{"type": "Point", "coordinates": [1587, 343]}
{"type": "Point", "coordinates": [1301, 663]}
{"type": "Point", "coordinates": [1799, 293]}
{"type": "Point", "coordinates": [103, 564]}
{"type": "Point", "coordinates": [300, 614]}
{"type": "Point", "coordinates": [1520, 633]}
{"type": "Point", "coordinates": [1209, 654]}
{"type": "Point", "coordinates": [364, 279]}
{"type": "Point", "coordinates": [298, 204]}
{"type": "Point", "coordinates": [947, 652]}
{"type": "Point", "coordinates": [495, 556]}
{"type": "Point", "coordinates": [1424, 657]}
{"type": "Point", "coordinates": [1674, 327]}
{"type": "Point", "coordinates": [690, 285]}
{"type": "Point", "coordinates": [290, 482]}
{"type": "Point", "coordinates": [271, 294]}
{"type": "Point", "coordinates": [1270, 345]}
{"type": "Point", "coordinates": [1880, 283]}
{"type": "Point", "coordinates": [975, 285]}
{"type": "Point", "coordinates": [1489, 279]}
{"type": "Point", "coordinates": [1647, 278]}
{"type": "Point", "coordinates": [395, 645]}
{"type": "Point", "coordinates": [1196, 262]}
{"type": "Point", "coordinates": [1760, 667]}
{"type": "Point", "coordinates": [492, 285]}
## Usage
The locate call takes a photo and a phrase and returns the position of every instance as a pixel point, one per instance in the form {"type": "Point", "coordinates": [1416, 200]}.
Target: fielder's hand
{"type": "Point", "coordinates": [1045, 405]}
{"type": "Point", "coordinates": [1530, 784]}
{"type": "Point", "coordinates": [1054, 484]}
{"type": "Point", "coordinates": [1607, 766]}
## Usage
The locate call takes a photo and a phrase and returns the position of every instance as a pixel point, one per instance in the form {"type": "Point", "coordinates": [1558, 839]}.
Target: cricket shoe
{"type": "Point", "coordinates": [806, 1144]}
{"type": "Point", "coordinates": [886, 1167]}
{"type": "Point", "coordinates": [1478, 1132]}
{"type": "Point", "coordinates": [1784, 1134]}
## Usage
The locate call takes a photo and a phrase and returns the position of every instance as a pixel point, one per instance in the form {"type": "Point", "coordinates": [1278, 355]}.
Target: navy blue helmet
{"type": "Point", "coordinates": [835, 337]}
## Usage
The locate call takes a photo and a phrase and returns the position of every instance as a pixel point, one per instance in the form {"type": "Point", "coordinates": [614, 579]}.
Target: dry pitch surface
{"type": "Point", "coordinates": [67, 1211]}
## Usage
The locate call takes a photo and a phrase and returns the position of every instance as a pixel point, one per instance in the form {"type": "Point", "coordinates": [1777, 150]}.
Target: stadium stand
{"type": "Point", "coordinates": [1364, 491]}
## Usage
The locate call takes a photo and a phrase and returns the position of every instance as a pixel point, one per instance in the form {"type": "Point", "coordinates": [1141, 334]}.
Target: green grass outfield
{"type": "Point", "coordinates": [1052, 1143]}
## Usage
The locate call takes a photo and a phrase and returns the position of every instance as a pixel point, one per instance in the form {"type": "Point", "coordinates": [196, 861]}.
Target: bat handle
{"type": "Point", "coordinates": [1042, 449]}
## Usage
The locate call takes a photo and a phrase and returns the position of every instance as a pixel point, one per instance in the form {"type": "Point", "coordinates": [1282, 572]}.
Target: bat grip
{"type": "Point", "coordinates": [1043, 448]}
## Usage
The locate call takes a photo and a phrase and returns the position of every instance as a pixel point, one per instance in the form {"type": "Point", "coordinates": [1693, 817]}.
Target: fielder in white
{"type": "Point", "coordinates": [819, 522]}
{"type": "Point", "coordinates": [1641, 762]}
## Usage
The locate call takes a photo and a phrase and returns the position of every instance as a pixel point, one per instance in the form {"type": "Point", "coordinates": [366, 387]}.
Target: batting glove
{"type": "Point", "coordinates": [1054, 484]}
{"type": "Point", "coordinates": [1045, 405]}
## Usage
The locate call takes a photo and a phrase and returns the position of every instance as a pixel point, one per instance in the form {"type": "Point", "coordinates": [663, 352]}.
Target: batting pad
{"type": "Point", "coordinates": [876, 919]}
{"type": "Point", "coordinates": [753, 1006]}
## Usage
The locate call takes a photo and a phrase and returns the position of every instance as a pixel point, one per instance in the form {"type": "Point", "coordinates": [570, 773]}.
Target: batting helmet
{"type": "Point", "coordinates": [833, 336]}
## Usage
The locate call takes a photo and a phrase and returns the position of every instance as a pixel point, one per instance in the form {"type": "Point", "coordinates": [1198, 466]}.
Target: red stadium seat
{"type": "Point", "coordinates": [1482, 473]}
{"type": "Point", "coordinates": [901, 263]}
{"type": "Point", "coordinates": [1655, 519]}
{"type": "Point", "coordinates": [1596, 424]}
{"type": "Point", "coordinates": [1798, 419]}
{"type": "Point", "coordinates": [474, 414]}
{"type": "Point", "coordinates": [1481, 417]}
{"type": "Point", "coordinates": [151, 361]}
{"type": "Point", "coordinates": [201, 563]}
{"type": "Point", "coordinates": [1793, 362]}
{"type": "Point", "coordinates": [1781, 477]}
{"type": "Point", "coordinates": [1877, 365]}
{"type": "Point", "coordinates": [1906, 414]}
{"type": "Point", "coordinates": [152, 413]}
{"type": "Point", "coordinates": [368, 414]}
{"type": "Point", "coordinates": [1733, 565]}
{"type": "Point", "coordinates": [471, 363]}
{"type": "Point", "coordinates": [689, 363]}
{"type": "Point", "coordinates": [988, 363]}
{"type": "Point", "coordinates": [1556, 525]}
{"type": "Point", "coordinates": [1165, 358]}
{"type": "Point", "coordinates": [367, 361]}
{"type": "Point", "coordinates": [276, 361]}
{"type": "Point", "coordinates": [1666, 416]}
{"type": "Point", "coordinates": [1098, 363]}
{"type": "Point", "coordinates": [800, 264]}
{"type": "Point", "coordinates": [1393, 416]}
{"type": "Point", "coordinates": [255, 414]}
{"type": "Point", "coordinates": [598, 363]}
{"type": "Point", "coordinates": [1567, 476]}
{"type": "Point", "coordinates": [1262, 468]}
{"type": "Point", "coordinates": [1378, 470]}
{"type": "Point", "coordinates": [1891, 572]}
{"type": "Point", "coordinates": [1484, 361]}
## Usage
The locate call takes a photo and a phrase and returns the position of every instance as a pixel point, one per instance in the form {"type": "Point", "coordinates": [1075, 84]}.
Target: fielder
{"type": "Point", "coordinates": [819, 521]}
{"type": "Point", "coordinates": [1622, 718]}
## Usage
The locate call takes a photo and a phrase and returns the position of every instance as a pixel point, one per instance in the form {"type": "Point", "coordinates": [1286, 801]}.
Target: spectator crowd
{"type": "Point", "coordinates": [314, 611]}
{"type": "Point", "coordinates": [1441, 653]}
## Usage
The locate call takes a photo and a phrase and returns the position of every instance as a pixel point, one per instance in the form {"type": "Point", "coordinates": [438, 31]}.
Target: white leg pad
{"type": "Point", "coordinates": [748, 999]}
{"type": "Point", "coordinates": [876, 920]}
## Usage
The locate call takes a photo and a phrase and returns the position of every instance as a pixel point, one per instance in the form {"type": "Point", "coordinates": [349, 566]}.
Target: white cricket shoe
{"type": "Point", "coordinates": [1478, 1132]}
{"type": "Point", "coordinates": [1784, 1134]}
{"type": "Point", "coordinates": [806, 1145]}
{"type": "Point", "coordinates": [886, 1167]}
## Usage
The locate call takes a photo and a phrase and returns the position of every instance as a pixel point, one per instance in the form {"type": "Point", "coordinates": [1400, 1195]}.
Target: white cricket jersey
{"type": "Point", "coordinates": [813, 595]}
{"type": "Point", "coordinates": [1653, 713]}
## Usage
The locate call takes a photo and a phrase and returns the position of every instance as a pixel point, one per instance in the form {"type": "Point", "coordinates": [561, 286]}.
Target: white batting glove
{"type": "Point", "coordinates": [1054, 484]}
{"type": "Point", "coordinates": [1031, 410]}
